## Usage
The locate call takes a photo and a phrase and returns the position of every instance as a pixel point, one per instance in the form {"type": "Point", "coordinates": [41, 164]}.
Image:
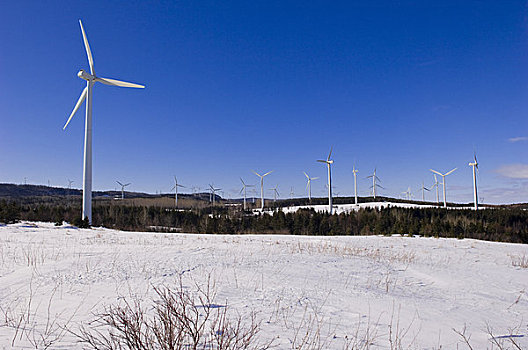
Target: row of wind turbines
{"type": "Point", "coordinates": [86, 95]}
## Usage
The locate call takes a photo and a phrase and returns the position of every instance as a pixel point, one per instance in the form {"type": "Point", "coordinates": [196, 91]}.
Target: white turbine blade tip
{"type": "Point", "coordinates": [77, 105]}
{"type": "Point", "coordinates": [120, 83]}
{"type": "Point", "coordinates": [87, 47]}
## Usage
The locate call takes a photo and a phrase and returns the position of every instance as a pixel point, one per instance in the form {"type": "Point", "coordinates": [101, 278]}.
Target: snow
{"type": "Point", "coordinates": [341, 286]}
{"type": "Point", "coordinates": [347, 208]}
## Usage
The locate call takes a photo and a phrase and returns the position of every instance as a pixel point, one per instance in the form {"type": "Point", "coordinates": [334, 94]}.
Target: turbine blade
{"type": "Point", "coordinates": [115, 82]}
{"type": "Point", "coordinates": [88, 51]}
{"type": "Point", "coordinates": [269, 172]}
{"type": "Point", "coordinates": [128, 184]}
{"type": "Point", "coordinates": [243, 182]}
{"type": "Point", "coordinates": [314, 178]}
{"type": "Point", "coordinates": [436, 172]}
{"type": "Point", "coordinates": [322, 161]}
{"type": "Point", "coordinates": [77, 105]}
{"type": "Point", "coordinates": [120, 183]}
{"type": "Point", "coordinates": [254, 172]}
{"type": "Point", "coordinates": [330, 154]}
{"type": "Point", "coordinates": [450, 172]}
{"type": "Point", "coordinates": [306, 175]}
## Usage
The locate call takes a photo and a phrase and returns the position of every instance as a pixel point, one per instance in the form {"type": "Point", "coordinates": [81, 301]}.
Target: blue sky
{"type": "Point", "coordinates": [270, 85]}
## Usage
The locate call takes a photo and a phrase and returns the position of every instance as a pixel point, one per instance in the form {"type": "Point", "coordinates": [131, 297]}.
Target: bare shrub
{"type": "Point", "coordinates": [519, 260]}
{"type": "Point", "coordinates": [176, 319]}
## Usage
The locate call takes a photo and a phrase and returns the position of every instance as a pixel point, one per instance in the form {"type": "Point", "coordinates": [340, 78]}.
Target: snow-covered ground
{"type": "Point", "coordinates": [426, 288]}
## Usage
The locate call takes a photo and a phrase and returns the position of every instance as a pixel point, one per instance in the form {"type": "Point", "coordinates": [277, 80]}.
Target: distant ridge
{"type": "Point", "coordinates": [18, 191]}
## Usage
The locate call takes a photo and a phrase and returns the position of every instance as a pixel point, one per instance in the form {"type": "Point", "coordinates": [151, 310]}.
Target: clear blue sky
{"type": "Point", "coordinates": [269, 85]}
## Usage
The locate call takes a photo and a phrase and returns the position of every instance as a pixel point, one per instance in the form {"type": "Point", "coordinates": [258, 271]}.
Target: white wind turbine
{"type": "Point", "coordinates": [475, 169]}
{"type": "Point", "coordinates": [262, 187]}
{"type": "Point", "coordinates": [70, 182]}
{"type": "Point", "coordinates": [123, 188]}
{"type": "Point", "coordinates": [213, 192]}
{"type": "Point", "coordinates": [408, 193]}
{"type": "Point", "coordinates": [444, 183]}
{"type": "Point", "coordinates": [91, 79]}
{"type": "Point", "coordinates": [291, 193]}
{"type": "Point", "coordinates": [175, 188]}
{"type": "Point", "coordinates": [309, 186]}
{"type": "Point", "coordinates": [374, 183]}
{"type": "Point", "coordinates": [436, 184]}
{"type": "Point", "coordinates": [355, 171]}
{"type": "Point", "coordinates": [275, 193]}
{"type": "Point", "coordinates": [244, 186]}
{"type": "Point", "coordinates": [423, 189]}
{"type": "Point", "coordinates": [329, 163]}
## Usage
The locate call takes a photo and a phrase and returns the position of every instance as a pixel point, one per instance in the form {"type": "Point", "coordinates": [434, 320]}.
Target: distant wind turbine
{"type": "Point", "coordinates": [423, 189]}
{"type": "Point", "coordinates": [291, 192]}
{"type": "Point", "coordinates": [408, 193]}
{"type": "Point", "coordinates": [309, 186]}
{"type": "Point", "coordinates": [374, 183]}
{"type": "Point", "coordinates": [275, 192]}
{"type": "Point", "coordinates": [436, 184]}
{"type": "Point", "coordinates": [329, 163]}
{"type": "Point", "coordinates": [175, 188]}
{"type": "Point", "coordinates": [475, 170]}
{"type": "Point", "coordinates": [262, 187]}
{"type": "Point", "coordinates": [444, 183]}
{"type": "Point", "coordinates": [91, 79]}
{"type": "Point", "coordinates": [70, 182]}
{"type": "Point", "coordinates": [244, 186]}
{"type": "Point", "coordinates": [213, 192]}
{"type": "Point", "coordinates": [355, 171]}
{"type": "Point", "coordinates": [123, 189]}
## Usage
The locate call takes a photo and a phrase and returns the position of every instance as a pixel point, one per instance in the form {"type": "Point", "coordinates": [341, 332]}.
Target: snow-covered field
{"type": "Point", "coordinates": [419, 290]}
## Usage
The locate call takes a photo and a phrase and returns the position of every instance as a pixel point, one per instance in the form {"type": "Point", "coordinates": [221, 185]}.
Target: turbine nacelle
{"type": "Point", "coordinates": [85, 75]}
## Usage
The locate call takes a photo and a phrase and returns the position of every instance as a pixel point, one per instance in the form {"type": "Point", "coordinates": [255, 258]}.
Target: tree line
{"type": "Point", "coordinates": [499, 224]}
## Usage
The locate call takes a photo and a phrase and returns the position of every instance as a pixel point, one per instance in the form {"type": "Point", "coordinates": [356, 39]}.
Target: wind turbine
{"type": "Point", "coordinates": [444, 182]}
{"type": "Point", "coordinates": [475, 169]}
{"type": "Point", "coordinates": [329, 163]}
{"type": "Point", "coordinates": [262, 187]}
{"type": "Point", "coordinates": [275, 193]}
{"type": "Point", "coordinates": [70, 182]}
{"type": "Point", "coordinates": [355, 171]}
{"type": "Point", "coordinates": [374, 184]}
{"type": "Point", "coordinates": [213, 192]}
{"type": "Point", "coordinates": [435, 184]}
{"type": "Point", "coordinates": [423, 189]}
{"type": "Point", "coordinates": [123, 189]}
{"type": "Point", "coordinates": [244, 186]}
{"type": "Point", "coordinates": [175, 188]}
{"type": "Point", "coordinates": [86, 94]}
{"type": "Point", "coordinates": [291, 193]}
{"type": "Point", "coordinates": [309, 185]}
{"type": "Point", "coordinates": [408, 193]}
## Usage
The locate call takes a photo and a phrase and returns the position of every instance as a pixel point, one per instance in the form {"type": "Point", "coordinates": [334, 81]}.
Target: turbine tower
{"type": "Point", "coordinates": [175, 188]}
{"type": "Point", "coordinates": [374, 183]}
{"type": "Point", "coordinates": [444, 183]}
{"type": "Point", "coordinates": [329, 163]}
{"type": "Point", "coordinates": [244, 186]}
{"type": "Point", "coordinates": [355, 171]}
{"type": "Point", "coordinates": [475, 169]}
{"type": "Point", "coordinates": [262, 187]}
{"type": "Point", "coordinates": [408, 193]}
{"type": "Point", "coordinates": [86, 94]}
{"type": "Point", "coordinates": [423, 189]}
{"type": "Point", "coordinates": [309, 186]}
{"type": "Point", "coordinates": [213, 192]}
{"type": "Point", "coordinates": [123, 189]}
{"type": "Point", "coordinates": [291, 193]}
